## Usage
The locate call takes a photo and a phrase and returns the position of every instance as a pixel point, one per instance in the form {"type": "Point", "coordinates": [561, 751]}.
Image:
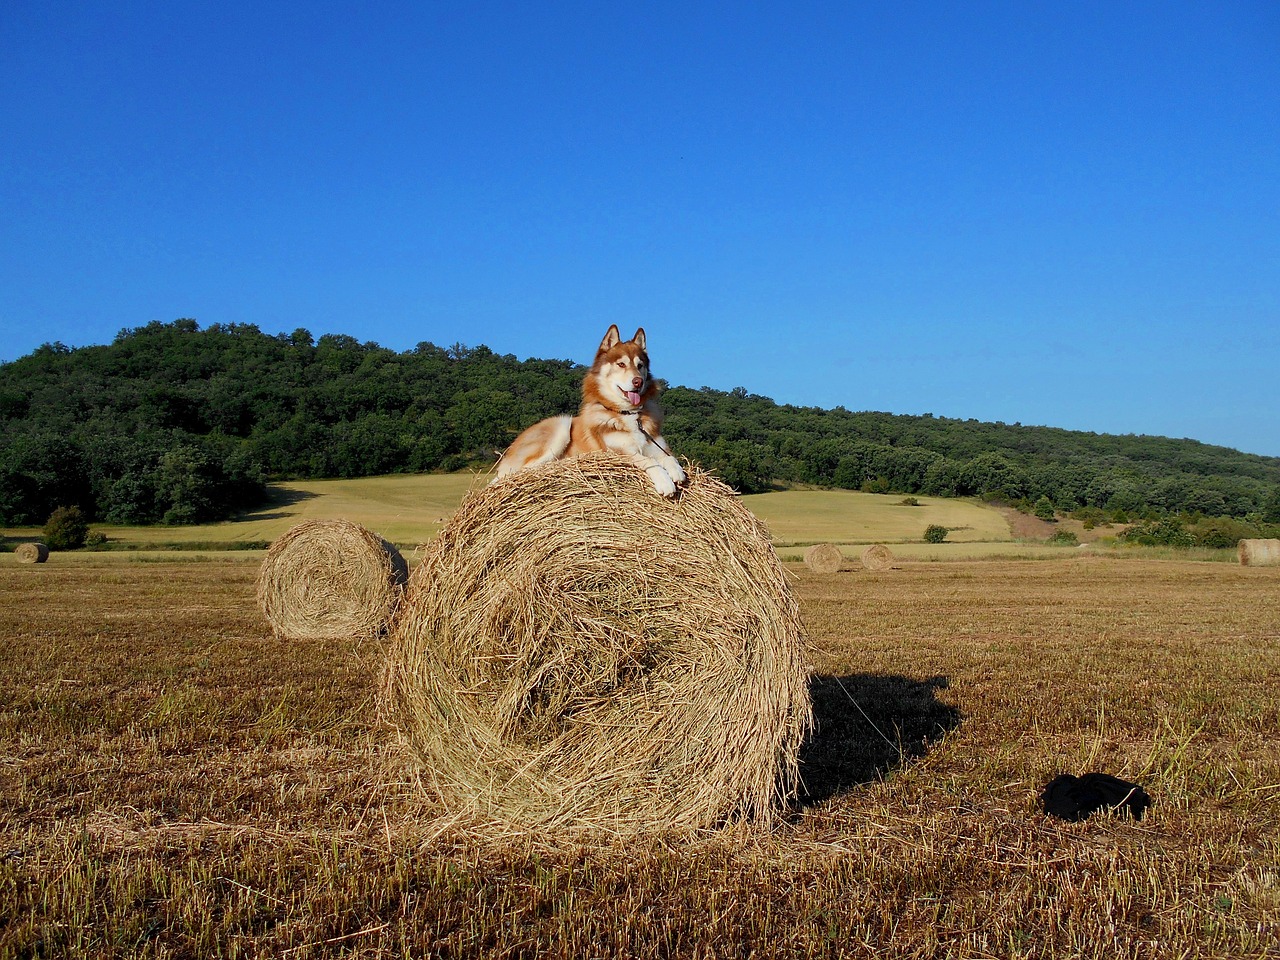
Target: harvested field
{"type": "Point", "coordinates": [175, 783]}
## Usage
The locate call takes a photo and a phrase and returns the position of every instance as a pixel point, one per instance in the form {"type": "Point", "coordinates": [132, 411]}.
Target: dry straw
{"type": "Point", "coordinates": [877, 557]}
{"type": "Point", "coordinates": [31, 553]}
{"type": "Point", "coordinates": [330, 580]}
{"type": "Point", "coordinates": [1259, 553]}
{"type": "Point", "coordinates": [577, 652]}
{"type": "Point", "coordinates": [823, 558]}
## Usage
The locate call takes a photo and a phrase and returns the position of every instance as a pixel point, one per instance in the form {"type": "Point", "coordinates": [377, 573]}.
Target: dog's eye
{"type": "Point", "coordinates": [622, 364]}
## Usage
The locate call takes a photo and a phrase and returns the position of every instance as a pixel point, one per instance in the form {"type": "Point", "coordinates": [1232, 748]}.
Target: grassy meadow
{"type": "Point", "coordinates": [803, 517]}
{"type": "Point", "coordinates": [175, 782]}
{"type": "Point", "coordinates": [409, 509]}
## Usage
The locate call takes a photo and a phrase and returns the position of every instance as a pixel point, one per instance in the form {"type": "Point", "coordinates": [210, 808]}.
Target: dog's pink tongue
{"type": "Point", "coordinates": [633, 398]}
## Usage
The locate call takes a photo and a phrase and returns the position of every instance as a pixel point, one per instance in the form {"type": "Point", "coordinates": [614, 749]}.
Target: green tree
{"type": "Point", "coordinates": [66, 529]}
{"type": "Point", "coordinates": [1222, 532]}
{"type": "Point", "coordinates": [935, 533]}
{"type": "Point", "coordinates": [992, 475]}
{"type": "Point", "coordinates": [185, 479]}
{"type": "Point", "coordinates": [92, 426]}
{"type": "Point", "coordinates": [1159, 533]}
{"type": "Point", "coordinates": [1043, 509]}
{"type": "Point", "coordinates": [1271, 509]}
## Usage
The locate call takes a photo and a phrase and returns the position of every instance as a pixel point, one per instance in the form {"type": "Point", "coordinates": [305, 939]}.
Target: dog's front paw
{"type": "Point", "coordinates": [675, 471]}
{"type": "Point", "coordinates": [661, 480]}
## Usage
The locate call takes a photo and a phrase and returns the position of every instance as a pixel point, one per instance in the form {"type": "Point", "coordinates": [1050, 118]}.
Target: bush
{"type": "Point", "coordinates": [935, 533]}
{"type": "Point", "coordinates": [1223, 532]}
{"type": "Point", "coordinates": [1089, 516]}
{"type": "Point", "coordinates": [908, 502]}
{"type": "Point", "coordinates": [66, 529]}
{"type": "Point", "coordinates": [1159, 533]}
{"type": "Point", "coordinates": [96, 540]}
{"type": "Point", "coordinates": [1044, 508]}
{"type": "Point", "coordinates": [1065, 538]}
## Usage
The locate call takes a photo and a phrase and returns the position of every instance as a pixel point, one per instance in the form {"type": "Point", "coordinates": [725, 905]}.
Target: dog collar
{"type": "Point", "coordinates": [630, 413]}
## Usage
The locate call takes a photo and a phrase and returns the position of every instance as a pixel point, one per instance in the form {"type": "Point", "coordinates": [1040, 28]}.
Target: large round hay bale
{"type": "Point", "coordinates": [330, 580]}
{"type": "Point", "coordinates": [877, 557]}
{"type": "Point", "coordinates": [31, 553]}
{"type": "Point", "coordinates": [577, 652]}
{"type": "Point", "coordinates": [823, 558]}
{"type": "Point", "coordinates": [1259, 553]}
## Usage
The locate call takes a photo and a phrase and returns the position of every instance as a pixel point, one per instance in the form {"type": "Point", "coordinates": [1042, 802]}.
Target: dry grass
{"type": "Point", "coordinates": [330, 580]}
{"type": "Point", "coordinates": [847, 517]}
{"type": "Point", "coordinates": [561, 664]}
{"type": "Point", "coordinates": [410, 509]}
{"type": "Point", "coordinates": [173, 783]}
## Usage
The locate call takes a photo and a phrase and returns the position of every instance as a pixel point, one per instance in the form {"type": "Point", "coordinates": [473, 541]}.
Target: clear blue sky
{"type": "Point", "coordinates": [1048, 213]}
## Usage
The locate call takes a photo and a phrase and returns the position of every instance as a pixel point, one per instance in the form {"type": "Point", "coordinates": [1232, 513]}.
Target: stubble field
{"type": "Point", "coordinates": [174, 782]}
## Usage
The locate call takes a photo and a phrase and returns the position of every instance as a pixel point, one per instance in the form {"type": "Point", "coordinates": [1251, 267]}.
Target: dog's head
{"type": "Point", "coordinates": [620, 373]}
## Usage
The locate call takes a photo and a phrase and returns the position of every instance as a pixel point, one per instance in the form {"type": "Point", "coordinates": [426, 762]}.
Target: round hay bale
{"type": "Point", "coordinates": [877, 557]}
{"type": "Point", "coordinates": [823, 558]}
{"type": "Point", "coordinates": [1259, 553]}
{"type": "Point", "coordinates": [577, 652]}
{"type": "Point", "coordinates": [31, 553]}
{"type": "Point", "coordinates": [330, 580]}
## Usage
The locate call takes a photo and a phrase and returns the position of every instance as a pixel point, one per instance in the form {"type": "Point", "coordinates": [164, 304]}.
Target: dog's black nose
{"type": "Point", "coordinates": [637, 382]}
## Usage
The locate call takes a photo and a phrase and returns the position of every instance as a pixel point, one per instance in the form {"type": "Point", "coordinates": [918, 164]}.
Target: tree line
{"type": "Point", "coordinates": [171, 423]}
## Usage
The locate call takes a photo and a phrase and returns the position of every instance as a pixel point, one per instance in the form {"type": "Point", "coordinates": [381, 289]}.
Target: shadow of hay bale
{"type": "Point", "coordinates": [866, 725]}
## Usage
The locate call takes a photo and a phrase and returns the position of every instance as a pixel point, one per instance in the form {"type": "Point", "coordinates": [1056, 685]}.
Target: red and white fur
{"type": "Point", "coordinates": [619, 413]}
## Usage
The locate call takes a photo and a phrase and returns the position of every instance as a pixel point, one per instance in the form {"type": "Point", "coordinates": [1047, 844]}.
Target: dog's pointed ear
{"type": "Point", "coordinates": [611, 339]}
{"type": "Point", "coordinates": [638, 339]}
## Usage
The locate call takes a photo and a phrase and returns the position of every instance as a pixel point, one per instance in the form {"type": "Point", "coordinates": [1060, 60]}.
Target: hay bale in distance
{"type": "Point", "coordinates": [31, 553]}
{"type": "Point", "coordinates": [330, 580]}
{"type": "Point", "coordinates": [1259, 553]}
{"type": "Point", "coordinates": [823, 558]}
{"type": "Point", "coordinates": [877, 557]}
{"type": "Point", "coordinates": [576, 652]}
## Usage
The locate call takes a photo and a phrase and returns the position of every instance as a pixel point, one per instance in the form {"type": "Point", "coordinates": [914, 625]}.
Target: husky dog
{"type": "Point", "coordinates": [619, 412]}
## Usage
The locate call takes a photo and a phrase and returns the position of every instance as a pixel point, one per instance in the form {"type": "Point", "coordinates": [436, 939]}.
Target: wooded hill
{"type": "Point", "coordinates": [171, 423]}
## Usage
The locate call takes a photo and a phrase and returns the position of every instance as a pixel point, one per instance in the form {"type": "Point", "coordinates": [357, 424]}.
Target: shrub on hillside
{"type": "Point", "coordinates": [66, 529]}
{"type": "Point", "coordinates": [935, 533]}
{"type": "Point", "coordinates": [1094, 515]}
{"type": "Point", "coordinates": [1065, 538]}
{"type": "Point", "coordinates": [1044, 508]}
{"type": "Point", "coordinates": [1223, 532]}
{"type": "Point", "coordinates": [1159, 533]}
